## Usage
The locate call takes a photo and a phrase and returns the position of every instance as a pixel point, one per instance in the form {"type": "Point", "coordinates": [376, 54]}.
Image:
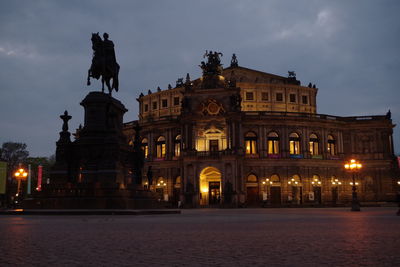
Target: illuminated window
{"type": "Point", "coordinates": [292, 98]}
{"type": "Point", "coordinates": [250, 141]}
{"type": "Point", "coordinates": [279, 97]}
{"type": "Point", "coordinates": [251, 178]}
{"type": "Point", "coordinates": [164, 103]}
{"type": "Point", "coordinates": [160, 144]}
{"type": "Point", "coordinates": [294, 144]}
{"type": "Point", "coordinates": [177, 146]}
{"type": "Point", "coordinates": [331, 145]}
{"type": "Point", "coordinates": [145, 147]}
{"type": "Point", "coordinates": [264, 96]}
{"type": "Point", "coordinates": [275, 178]}
{"type": "Point", "coordinates": [273, 143]}
{"type": "Point", "coordinates": [249, 96]}
{"type": "Point", "coordinates": [176, 101]}
{"type": "Point", "coordinates": [304, 99]}
{"type": "Point", "coordinates": [314, 145]}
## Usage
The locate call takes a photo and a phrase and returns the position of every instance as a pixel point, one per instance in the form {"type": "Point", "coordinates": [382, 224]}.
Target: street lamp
{"type": "Point", "coordinates": [353, 166]}
{"type": "Point", "coordinates": [267, 184]}
{"type": "Point", "coordinates": [20, 174]}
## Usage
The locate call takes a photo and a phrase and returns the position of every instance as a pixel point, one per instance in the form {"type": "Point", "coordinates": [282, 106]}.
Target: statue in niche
{"type": "Point", "coordinates": [104, 63]}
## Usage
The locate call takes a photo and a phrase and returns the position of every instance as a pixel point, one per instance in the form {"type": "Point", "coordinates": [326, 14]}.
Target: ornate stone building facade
{"type": "Point", "coordinates": [238, 136]}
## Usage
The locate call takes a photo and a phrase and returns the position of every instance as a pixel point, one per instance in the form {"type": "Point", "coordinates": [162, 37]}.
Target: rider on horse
{"type": "Point", "coordinates": [104, 62]}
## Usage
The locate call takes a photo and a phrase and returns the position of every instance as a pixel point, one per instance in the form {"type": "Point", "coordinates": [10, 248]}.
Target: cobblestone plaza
{"type": "Point", "coordinates": [204, 237]}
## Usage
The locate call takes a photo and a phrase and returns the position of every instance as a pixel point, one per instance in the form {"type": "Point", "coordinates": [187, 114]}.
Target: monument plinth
{"type": "Point", "coordinates": [103, 150]}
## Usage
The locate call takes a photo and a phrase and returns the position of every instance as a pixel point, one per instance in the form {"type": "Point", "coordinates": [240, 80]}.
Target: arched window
{"type": "Point", "coordinates": [145, 147]}
{"type": "Point", "coordinates": [251, 178]}
{"type": "Point", "coordinates": [294, 144]}
{"type": "Point", "coordinates": [177, 146]}
{"type": "Point", "coordinates": [275, 178]}
{"type": "Point", "coordinates": [314, 144]}
{"type": "Point", "coordinates": [273, 143]}
{"type": "Point", "coordinates": [160, 144]}
{"type": "Point", "coordinates": [331, 145]}
{"type": "Point", "coordinates": [250, 141]}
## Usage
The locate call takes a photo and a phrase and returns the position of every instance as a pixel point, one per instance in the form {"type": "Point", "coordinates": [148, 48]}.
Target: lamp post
{"type": "Point", "coordinates": [20, 174]}
{"type": "Point", "coordinates": [267, 184]}
{"type": "Point", "coordinates": [354, 166]}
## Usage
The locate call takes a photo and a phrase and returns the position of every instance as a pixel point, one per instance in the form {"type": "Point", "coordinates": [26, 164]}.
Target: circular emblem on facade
{"type": "Point", "coordinates": [213, 108]}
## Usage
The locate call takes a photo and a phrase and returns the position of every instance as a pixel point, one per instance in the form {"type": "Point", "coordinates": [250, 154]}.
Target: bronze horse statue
{"type": "Point", "coordinates": [104, 63]}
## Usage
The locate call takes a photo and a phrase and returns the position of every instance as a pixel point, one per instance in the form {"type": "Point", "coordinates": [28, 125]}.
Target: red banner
{"type": "Point", "coordinates": [39, 178]}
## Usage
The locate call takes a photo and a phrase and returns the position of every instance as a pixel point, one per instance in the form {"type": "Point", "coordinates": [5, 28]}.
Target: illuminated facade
{"type": "Point", "coordinates": [238, 136]}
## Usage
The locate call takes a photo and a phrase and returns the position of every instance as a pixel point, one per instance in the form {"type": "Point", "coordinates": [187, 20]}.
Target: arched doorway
{"type": "Point", "coordinates": [210, 186]}
{"type": "Point", "coordinates": [317, 192]}
{"type": "Point", "coordinates": [296, 194]}
{"type": "Point", "coordinates": [252, 190]}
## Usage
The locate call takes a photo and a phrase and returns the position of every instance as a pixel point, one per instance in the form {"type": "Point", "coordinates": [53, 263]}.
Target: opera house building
{"type": "Point", "coordinates": [242, 137]}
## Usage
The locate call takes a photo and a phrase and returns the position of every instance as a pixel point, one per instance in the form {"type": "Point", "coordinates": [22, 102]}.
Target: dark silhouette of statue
{"type": "Point", "coordinates": [389, 115]}
{"type": "Point", "coordinates": [65, 119]}
{"type": "Point", "coordinates": [213, 65]}
{"type": "Point", "coordinates": [104, 63]}
{"type": "Point", "coordinates": [234, 61]}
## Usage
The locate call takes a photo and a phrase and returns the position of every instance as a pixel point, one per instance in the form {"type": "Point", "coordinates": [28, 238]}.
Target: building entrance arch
{"type": "Point", "coordinates": [210, 186]}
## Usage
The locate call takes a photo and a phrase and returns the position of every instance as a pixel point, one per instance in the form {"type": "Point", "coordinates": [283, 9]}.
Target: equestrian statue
{"type": "Point", "coordinates": [104, 63]}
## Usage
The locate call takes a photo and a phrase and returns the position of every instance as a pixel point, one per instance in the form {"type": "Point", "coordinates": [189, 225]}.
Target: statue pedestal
{"type": "Point", "coordinates": [101, 147]}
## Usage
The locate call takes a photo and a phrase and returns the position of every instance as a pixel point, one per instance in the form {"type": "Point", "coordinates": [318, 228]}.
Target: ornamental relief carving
{"type": "Point", "coordinates": [211, 107]}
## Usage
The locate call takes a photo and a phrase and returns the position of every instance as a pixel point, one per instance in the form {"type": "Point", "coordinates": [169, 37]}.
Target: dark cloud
{"type": "Point", "coordinates": [349, 49]}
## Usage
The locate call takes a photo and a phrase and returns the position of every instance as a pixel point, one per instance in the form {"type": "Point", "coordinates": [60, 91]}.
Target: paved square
{"type": "Point", "coordinates": [203, 237]}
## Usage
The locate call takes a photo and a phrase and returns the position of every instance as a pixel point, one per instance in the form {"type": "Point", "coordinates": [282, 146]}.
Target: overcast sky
{"type": "Point", "coordinates": [349, 49]}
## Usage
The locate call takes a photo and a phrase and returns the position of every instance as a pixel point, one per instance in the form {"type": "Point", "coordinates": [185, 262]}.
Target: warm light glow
{"type": "Point", "coordinates": [398, 182]}
{"type": "Point", "coordinates": [263, 182]}
{"type": "Point", "coordinates": [353, 165]}
{"type": "Point", "coordinates": [20, 173]}
{"type": "Point", "coordinates": [204, 190]}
